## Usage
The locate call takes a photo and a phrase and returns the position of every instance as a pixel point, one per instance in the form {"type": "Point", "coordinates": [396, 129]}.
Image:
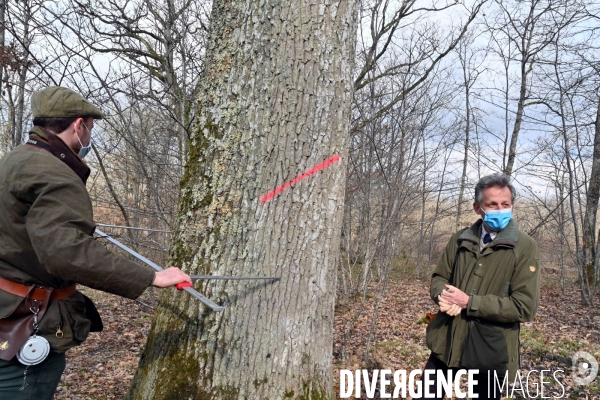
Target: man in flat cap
{"type": "Point", "coordinates": [46, 247]}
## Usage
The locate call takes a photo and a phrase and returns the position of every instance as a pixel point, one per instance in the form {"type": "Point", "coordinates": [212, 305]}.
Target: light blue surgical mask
{"type": "Point", "coordinates": [85, 149]}
{"type": "Point", "coordinates": [497, 220]}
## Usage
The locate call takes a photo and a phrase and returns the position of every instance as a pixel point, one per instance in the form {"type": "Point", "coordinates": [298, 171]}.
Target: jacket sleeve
{"type": "Point", "coordinates": [60, 225]}
{"type": "Point", "coordinates": [523, 296]}
{"type": "Point", "coordinates": [442, 272]}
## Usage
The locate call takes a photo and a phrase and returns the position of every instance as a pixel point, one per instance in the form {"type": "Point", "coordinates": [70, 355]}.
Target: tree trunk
{"type": "Point", "coordinates": [562, 217]}
{"type": "Point", "coordinates": [2, 31]}
{"type": "Point", "coordinates": [468, 82]}
{"type": "Point", "coordinates": [20, 105]}
{"type": "Point", "coordinates": [421, 271]}
{"type": "Point", "coordinates": [275, 102]}
{"type": "Point", "coordinates": [512, 150]}
{"type": "Point", "coordinates": [572, 203]}
{"type": "Point", "coordinates": [591, 210]}
{"type": "Point", "coordinates": [24, 70]}
{"type": "Point", "coordinates": [593, 193]}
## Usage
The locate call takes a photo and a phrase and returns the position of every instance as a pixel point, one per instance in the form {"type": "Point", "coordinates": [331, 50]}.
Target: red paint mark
{"type": "Point", "coordinates": [308, 173]}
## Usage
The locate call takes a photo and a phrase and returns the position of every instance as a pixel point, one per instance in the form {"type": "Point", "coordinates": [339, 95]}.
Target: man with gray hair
{"type": "Point", "coordinates": [486, 283]}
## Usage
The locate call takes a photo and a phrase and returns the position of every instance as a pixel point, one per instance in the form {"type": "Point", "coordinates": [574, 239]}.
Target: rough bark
{"type": "Point", "coordinates": [275, 102]}
{"type": "Point", "coordinates": [2, 31]}
{"type": "Point", "coordinates": [591, 210]}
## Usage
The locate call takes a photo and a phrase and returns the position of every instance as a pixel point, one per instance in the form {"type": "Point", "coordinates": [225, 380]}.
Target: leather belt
{"type": "Point", "coordinates": [37, 293]}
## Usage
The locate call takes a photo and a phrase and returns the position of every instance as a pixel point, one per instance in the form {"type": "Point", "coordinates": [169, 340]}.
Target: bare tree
{"type": "Point", "coordinates": [141, 62]}
{"type": "Point", "coordinates": [471, 62]}
{"type": "Point", "coordinates": [158, 45]}
{"type": "Point", "coordinates": [386, 24]}
{"type": "Point", "coordinates": [17, 61]}
{"type": "Point", "coordinates": [522, 31]}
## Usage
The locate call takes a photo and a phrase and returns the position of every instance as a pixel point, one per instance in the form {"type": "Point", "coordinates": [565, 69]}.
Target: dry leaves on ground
{"type": "Point", "coordinates": [562, 327]}
{"type": "Point", "coordinates": [103, 367]}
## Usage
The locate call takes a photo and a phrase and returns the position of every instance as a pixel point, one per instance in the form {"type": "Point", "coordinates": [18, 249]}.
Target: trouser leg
{"type": "Point", "coordinates": [41, 380]}
{"type": "Point", "coordinates": [483, 388]}
{"type": "Point", "coordinates": [437, 367]}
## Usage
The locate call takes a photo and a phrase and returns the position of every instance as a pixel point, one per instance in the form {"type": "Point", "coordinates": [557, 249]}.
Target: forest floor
{"type": "Point", "coordinates": [561, 328]}
{"type": "Point", "coordinates": [103, 367]}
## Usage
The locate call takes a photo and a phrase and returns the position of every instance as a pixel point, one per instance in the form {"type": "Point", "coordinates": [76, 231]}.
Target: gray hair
{"type": "Point", "coordinates": [498, 179]}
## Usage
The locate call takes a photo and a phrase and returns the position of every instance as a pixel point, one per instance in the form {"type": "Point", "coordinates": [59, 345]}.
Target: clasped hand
{"type": "Point", "coordinates": [452, 300]}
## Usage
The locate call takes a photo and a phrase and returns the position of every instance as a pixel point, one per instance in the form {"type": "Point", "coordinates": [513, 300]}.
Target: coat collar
{"type": "Point", "coordinates": [63, 152]}
{"type": "Point", "coordinates": [506, 237]}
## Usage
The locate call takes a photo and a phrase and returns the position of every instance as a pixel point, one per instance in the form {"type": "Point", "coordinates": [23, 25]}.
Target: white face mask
{"type": "Point", "coordinates": [85, 149]}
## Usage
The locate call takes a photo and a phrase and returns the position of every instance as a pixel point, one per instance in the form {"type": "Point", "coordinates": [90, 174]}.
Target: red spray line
{"type": "Point", "coordinates": [306, 174]}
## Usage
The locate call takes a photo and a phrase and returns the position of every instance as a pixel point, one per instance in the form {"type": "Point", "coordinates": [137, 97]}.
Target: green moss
{"type": "Point", "coordinates": [533, 341]}
{"type": "Point", "coordinates": [197, 200]}
{"type": "Point", "coordinates": [183, 371]}
{"type": "Point", "coordinates": [223, 393]}
{"type": "Point", "coordinates": [594, 386]}
{"type": "Point", "coordinates": [228, 392]}
{"type": "Point", "coordinates": [392, 343]}
{"type": "Point", "coordinates": [312, 391]}
{"type": "Point", "coordinates": [258, 382]}
{"type": "Point", "coordinates": [590, 273]}
{"type": "Point", "coordinates": [177, 381]}
{"type": "Point", "coordinates": [289, 394]}
{"type": "Point", "coordinates": [207, 200]}
{"type": "Point", "coordinates": [197, 168]}
{"type": "Point", "coordinates": [305, 359]}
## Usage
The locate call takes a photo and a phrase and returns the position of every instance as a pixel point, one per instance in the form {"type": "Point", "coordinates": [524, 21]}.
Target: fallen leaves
{"type": "Point", "coordinates": [398, 342]}
{"type": "Point", "coordinates": [104, 365]}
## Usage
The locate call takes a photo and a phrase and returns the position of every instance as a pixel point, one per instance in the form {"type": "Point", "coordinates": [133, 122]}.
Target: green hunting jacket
{"type": "Point", "coordinates": [503, 284]}
{"type": "Point", "coordinates": [46, 227]}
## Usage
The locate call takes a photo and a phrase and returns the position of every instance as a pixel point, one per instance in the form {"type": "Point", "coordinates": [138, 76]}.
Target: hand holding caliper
{"type": "Point", "coordinates": [176, 277]}
{"type": "Point", "coordinates": [170, 277]}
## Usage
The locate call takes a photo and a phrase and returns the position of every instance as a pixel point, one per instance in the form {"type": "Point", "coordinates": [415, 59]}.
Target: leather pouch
{"type": "Point", "coordinates": [16, 328]}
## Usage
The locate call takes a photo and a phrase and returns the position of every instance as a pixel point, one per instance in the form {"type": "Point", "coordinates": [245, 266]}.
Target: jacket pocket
{"type": "Point", "coordinates": [68, 315]}
{"type": "Point", "coordinates": [91, 313]}
{"type": "Point", "coordinates": [50, 325]}
{"type": "Point", "coordinates": [8, 303]}
{"type": "Point", "coordinates": [436, 334]}
{"type": "Point", "coordinates": [80, 325]}
{"type": "Point", "coordinates": [485, 348]}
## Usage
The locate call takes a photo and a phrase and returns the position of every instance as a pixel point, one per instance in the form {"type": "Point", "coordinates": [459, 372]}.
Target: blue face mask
{"type": "Point", "coordinates": [497, 220]}
{"type": "Point", "coordinates": [85, 149]}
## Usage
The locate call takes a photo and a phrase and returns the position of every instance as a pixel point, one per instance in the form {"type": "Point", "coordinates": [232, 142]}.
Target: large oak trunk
{"type": "Point", "coordinates": [275, 102]}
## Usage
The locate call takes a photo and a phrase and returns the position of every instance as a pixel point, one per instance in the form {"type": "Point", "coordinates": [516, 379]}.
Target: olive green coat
{"type": "Point", "coordinates": [503, 284]}
{"type": "Point", "coordinates": [46, 228]}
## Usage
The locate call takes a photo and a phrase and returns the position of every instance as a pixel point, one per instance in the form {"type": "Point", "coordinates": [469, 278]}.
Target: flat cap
{"type": "Point", "coordinates": [60, 102]}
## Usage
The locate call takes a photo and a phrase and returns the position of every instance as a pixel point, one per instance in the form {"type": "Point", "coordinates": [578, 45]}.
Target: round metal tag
{"type": "Point", "coordinates": [34, 351]}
